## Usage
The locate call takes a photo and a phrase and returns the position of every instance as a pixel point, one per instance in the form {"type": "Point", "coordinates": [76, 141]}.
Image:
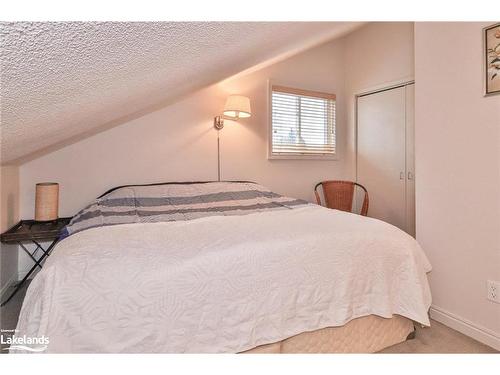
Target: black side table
{"type": "Point", "coordinates": [31, 231]}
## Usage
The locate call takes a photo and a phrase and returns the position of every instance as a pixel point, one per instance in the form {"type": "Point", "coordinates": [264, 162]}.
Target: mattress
{"type": "Point", "coordinates": [368, 334]}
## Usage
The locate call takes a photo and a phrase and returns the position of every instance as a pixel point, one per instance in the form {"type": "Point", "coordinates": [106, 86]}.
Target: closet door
{"type": "Point", "coordinates": [381, 145]}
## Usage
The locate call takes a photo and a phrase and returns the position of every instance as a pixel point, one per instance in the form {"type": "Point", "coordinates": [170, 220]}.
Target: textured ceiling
{"type": "Point", "coordinates": [63, 80]}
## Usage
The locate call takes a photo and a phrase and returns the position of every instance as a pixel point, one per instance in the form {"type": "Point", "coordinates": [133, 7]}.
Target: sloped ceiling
{"type": "Point", "coordinates": [61, 81]}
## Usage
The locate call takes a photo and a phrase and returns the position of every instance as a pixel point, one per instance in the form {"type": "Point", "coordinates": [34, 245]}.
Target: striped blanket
{"type": "Point", "coordinates": [177, 202]}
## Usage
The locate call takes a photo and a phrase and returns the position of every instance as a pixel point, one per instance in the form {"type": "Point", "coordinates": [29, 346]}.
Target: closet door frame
{"type": "Point", "coordinates": [410, 162]}
{"type": "Point", "coordinates": [374, 90]}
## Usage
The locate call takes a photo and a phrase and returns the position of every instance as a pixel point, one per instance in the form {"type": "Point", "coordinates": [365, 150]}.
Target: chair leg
{"type": "Point", "coordinates": [318, 199]}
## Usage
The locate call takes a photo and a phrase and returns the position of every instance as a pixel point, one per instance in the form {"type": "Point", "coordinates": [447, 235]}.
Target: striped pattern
{"type": "Point", "coordinates": [177, 202]}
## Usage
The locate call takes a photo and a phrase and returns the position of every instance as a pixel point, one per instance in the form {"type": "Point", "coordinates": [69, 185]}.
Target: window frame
{"type": "Point", "coordinates": [297, 91]}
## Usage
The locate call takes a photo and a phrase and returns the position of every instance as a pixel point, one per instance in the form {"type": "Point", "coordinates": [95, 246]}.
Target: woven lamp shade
{"type": "Point", "coordinates": [47, 201]}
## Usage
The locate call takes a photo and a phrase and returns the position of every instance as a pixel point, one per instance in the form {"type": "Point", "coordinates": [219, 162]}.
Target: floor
{"type": "Point", "coordinates": [437, 339]}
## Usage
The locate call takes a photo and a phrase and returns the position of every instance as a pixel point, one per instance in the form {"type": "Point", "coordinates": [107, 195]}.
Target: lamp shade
{"type": "Point", "coordinates": [237, 106]}
{"type": "Point", "coordinates": [46, 201]}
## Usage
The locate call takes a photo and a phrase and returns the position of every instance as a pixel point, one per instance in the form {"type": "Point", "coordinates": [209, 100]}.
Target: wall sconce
{"type": "Point", "coordinates": [236, 107]}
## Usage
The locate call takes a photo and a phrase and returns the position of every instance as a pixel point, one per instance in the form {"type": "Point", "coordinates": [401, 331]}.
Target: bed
{"type": "Point", "coordinates": [225, 267]}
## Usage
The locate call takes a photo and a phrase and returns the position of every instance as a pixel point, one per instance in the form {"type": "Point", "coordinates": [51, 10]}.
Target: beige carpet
{"type": "Point", "coordinates": [439, 339]}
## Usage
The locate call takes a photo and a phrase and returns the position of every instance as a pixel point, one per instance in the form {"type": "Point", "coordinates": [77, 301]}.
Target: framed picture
{"type": "Point", "coordinates": [492, 59]}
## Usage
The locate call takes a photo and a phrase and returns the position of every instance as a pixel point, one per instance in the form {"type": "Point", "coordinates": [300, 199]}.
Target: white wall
{"type": "Point", "coordinates": [457, 147]}
{"type": "Point", "coordinates": [9, 215]}
{"type": "Point", "coordinates": [377, 55]}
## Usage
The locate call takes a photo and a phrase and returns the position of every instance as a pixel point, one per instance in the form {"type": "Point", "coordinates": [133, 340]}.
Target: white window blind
{"type": "Point", "coordinates": [303, 122]}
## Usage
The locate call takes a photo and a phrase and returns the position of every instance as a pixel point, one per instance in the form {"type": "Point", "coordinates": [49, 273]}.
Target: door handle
{"type": "Point", "coordinates": [410, 176]}
{"type": "Point", "coordinates": [401, 175]}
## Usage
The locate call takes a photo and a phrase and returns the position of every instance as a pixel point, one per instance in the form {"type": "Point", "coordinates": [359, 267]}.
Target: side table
{"type": "Point", "coordinates": [31, 231]}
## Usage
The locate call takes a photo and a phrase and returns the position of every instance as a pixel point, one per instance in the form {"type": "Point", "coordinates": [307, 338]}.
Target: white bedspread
{"type": "Point", "coordinates": [222, 284]}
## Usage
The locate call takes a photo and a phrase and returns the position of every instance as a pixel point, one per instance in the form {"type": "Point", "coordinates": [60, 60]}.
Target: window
{"type": "Point", "coordinates": [302, 123]}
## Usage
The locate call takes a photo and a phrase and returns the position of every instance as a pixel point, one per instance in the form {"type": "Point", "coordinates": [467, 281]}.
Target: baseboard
{"type": "Point", "coordinates": [481, 334]}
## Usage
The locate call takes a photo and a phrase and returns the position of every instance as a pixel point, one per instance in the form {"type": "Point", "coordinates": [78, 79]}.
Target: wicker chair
{"type": "Point", "coordinates": [340, 194]}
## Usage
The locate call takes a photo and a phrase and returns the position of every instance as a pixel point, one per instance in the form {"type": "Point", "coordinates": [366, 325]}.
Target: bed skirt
{"type": "Point", "coordinates": [368, 334]}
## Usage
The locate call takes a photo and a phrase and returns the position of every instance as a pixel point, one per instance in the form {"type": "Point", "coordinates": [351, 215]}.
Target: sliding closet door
{"type": "Point", "coordinates": [381, 154]}
{"type": "Point", "coordinates": [410, 159]}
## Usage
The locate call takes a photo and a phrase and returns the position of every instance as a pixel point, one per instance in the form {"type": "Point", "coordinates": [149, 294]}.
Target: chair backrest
{"type": "Point", "coordinates": [340, 195]}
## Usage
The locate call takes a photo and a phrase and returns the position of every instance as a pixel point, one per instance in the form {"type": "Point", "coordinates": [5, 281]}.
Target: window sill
{"type": "Point", "coordinates": [334, 157]}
